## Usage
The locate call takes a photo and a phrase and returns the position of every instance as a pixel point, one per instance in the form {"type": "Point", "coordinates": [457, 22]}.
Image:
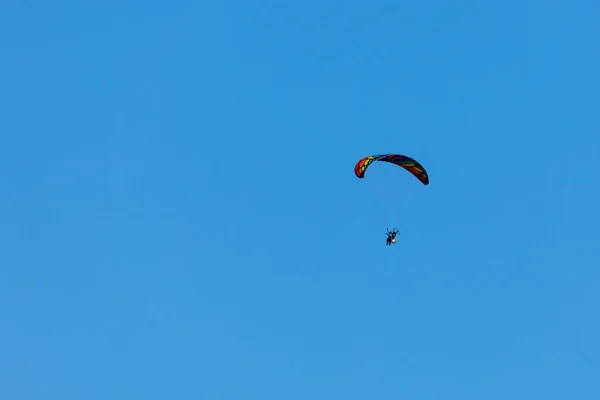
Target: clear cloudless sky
{"type": "Point", "coordinates": [179, 216]}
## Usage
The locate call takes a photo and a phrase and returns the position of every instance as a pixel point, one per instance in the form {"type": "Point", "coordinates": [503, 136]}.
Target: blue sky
{"type": "Point", "coordinates": [180, 217]}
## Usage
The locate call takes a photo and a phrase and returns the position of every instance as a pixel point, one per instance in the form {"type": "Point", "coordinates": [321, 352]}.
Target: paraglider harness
{"type": "Point", "coordinates": [391, 237]}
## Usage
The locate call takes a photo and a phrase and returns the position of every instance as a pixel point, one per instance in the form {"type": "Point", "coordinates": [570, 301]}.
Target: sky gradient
{"type": "Point", "coordinates": [180, 218]}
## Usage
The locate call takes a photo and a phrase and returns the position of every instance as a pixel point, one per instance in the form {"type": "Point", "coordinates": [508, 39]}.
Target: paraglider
{"type": "Point", "coordinates": [391, 237]}
{"type": "Point", "coordinates": [409, 164]}
{"type": "Point", "coordinates": [405, 162]}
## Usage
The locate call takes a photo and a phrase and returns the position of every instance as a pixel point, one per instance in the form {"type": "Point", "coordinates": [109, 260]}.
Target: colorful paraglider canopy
{"type": "Point", "coordinates": [405, 162]}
